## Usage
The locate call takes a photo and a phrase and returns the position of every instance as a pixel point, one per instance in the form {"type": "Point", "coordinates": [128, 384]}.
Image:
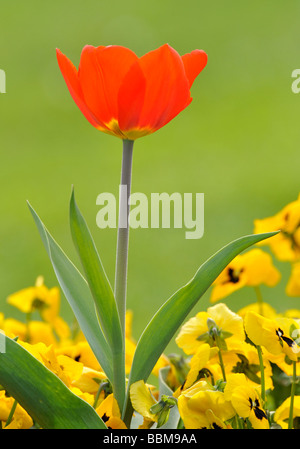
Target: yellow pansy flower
{"type": "Point", "coordinates": [281, 416]}
{"type": "Point", "coordinates": [152, 410]}
{"type": "Point", "coordinates": [273, 334]}
{"type": "Point", "coordinates": [81, 352]}
{"type": "Point", "coordinates": [130, 347]}
{"type": "Point", "coordinates": [198, 362]}
{"type": "Point", "coordinates": [245, 360]}
{"type": "Point", "coordinates": [262, 308]}
{"type": "Point", "coordinates": [52, 304]}
{"type": "Point", "coordinates": [162, 362]}
{"type": "Point", "coordinates": [89, 380]}
{"type": "Point", "coordinates": [110, 414]}
{"type": "Point", "coordinates": [87, 397]}
{"type": "Point", "coordinates": [179, 366]}
{"type": "Point", "coordinates": [142, 400]}
{"type": "Point", "coordinates": [67, 369]}
{"type": "Point", "coordinates": [130, 344]}
{"type": "Point", "coordinates": [20, 419]}
{"type": "Point", "coordinates": [281, 361]}
{"type": "Point", "coordinates": [252, 269]}
{"type": "Point", "coordinates": [6, 404]}
{"type": "Point", "coordinates": [61, 329]}
{"type": "Point", "coordinates": [246, 400]}
{"type": "Point", "coordinates": [81, 380]}
{"type": "Point", "coordinates": [214, 421]}
{"type": "Point", "coordinates": [14, 328]}
{"type": "Point", "coordinates": [39, 297]}
{"type": "Point", "coordinates": [39, 331]}
{"type": "Point", "coordinates": [203, 407]}
{"type": "Point", "coordinates": [293, 285]}
{"type": "Point", "coordinates": [211, 373]}
{"type": "Point", "coordinates": [78, 378]}
{"type": "Point", "coordinates": [196, 331]}
{"type": "Point", "coordinates": [35, 349]}
{"type": "Point", "coordinates": [286, 244]}
{"type": "Point", "coordinates": [19, 422]}
{"type": "Point", "coordinates": [71, 369]}
{"type": "Point", "coordinates": [292, 313]}
{"type": "Point", "coordinates": [50, 361]}
{"type": "Point", "coordinates": [47, 302]}
{"type": "Point", "coordinates": [35, 331]}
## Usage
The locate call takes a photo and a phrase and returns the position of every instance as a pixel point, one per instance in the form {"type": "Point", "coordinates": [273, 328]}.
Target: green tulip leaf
{"type": "Point", "coordinates": [103, 296]}
{"type": "Point", "coordinates": [41, 393]}
{"type": "Point", "coordinates": [78, 294]}
{"type": "Point", "coordinates": [96, 277]}
{"type": "Point", "coordinates": [172, 313]}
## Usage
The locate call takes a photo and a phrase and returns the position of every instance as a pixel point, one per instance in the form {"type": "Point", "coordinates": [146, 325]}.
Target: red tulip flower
{"type": "Point", "coordinates": [127, 96]}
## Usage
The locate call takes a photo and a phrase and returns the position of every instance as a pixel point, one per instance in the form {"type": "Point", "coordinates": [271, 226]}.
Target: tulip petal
{"type": "Point", "coordinates": [101, 72]}
{"type": "Point", "coordinates": [194, 63]}
{"type": "Point", "coordinates": [167, 91]}
{"type": "Point", "coordinates": [131, 98]}
{"type": "Point", "coordinates": [127, 96]}
{"type": "Point", "coordinates": [70, 75]}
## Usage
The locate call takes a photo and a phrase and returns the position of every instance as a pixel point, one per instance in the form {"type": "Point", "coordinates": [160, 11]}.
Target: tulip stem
{"type": "Point", "coordinates": [123, 232]}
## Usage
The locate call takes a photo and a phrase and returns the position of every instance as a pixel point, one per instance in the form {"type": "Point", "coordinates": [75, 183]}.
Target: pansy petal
{"type": "Point", "coordinates": [194, 63]}
{"type": "Point", "coordinates": [142, 399]}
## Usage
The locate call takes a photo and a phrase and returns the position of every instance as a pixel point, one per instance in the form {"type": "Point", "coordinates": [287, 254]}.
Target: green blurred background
{"type": "Point", "coordinates": [238, 142]}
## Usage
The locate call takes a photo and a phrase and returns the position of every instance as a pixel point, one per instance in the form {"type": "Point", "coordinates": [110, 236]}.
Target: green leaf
{"type": "Point", "coordinates": [78, 294]}
{"type": "Point", "coordinates": [96, 277]}
{"type": "Point", "coordinates": [225, 334]}
{"type": "Point", "coordinates": [103, 296]}
{"type": "Point", "coordinates": [41, 393]}
{"type": "Point", "coordinates": [204, 337]}
{"type": "Point", "coordinates": [171, 315]}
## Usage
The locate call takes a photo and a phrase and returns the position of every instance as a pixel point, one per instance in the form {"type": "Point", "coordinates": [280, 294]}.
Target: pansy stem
{"type": "Point", "coordinates": [262, 374]}
{"type": "Point", "coordinates": [123, 232]}
{"type": "Point", "coordinates": [237, 422]}
{"type": "Point", "coordinates": [259, 300]}
{"type": "Point", "coordinates": [293, 388]}
{"type": "Point", "coordinates": [222, 364]}
{"type": "Point", "coordinates": [11, 413]}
